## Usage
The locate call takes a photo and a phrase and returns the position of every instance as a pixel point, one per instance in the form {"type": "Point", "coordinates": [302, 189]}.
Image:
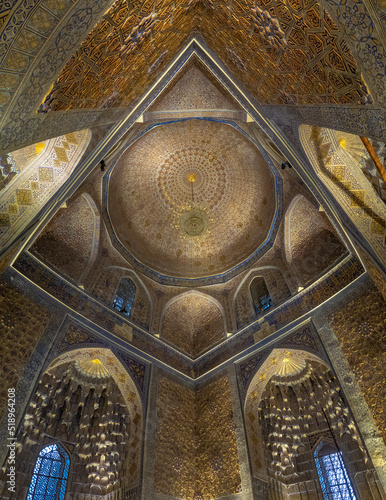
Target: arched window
{"type": "Point", "coordinates": [49, 479]}
{"type": "Point", "coordinates": [333, 477]}
{"type": "Point", "coordinates": [260, 295]}
{"type": "Point", "coordinates": [124, 298]}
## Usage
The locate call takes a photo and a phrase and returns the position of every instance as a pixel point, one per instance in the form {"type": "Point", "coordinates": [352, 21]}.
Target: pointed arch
{"type": "Point", "coordinates": [348, 186]}
{"type": "Point", "coordinates": [70, 241]}
{"type": "Point", "coordinates": [277, 287]}
{"type": "Point", "coordinates": [193, 322]}
{"type": "Point", "coordinates": [292, 402]}
{"type": "Point", "coordinates": [332, 473]}
{"type": "Point", "coordinates": [87, 397]}
{"type": "Point", "coordinates": [106, 287]}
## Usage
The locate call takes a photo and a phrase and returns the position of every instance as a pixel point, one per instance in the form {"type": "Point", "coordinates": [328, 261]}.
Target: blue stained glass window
{"type": "Point", "coordinates": [49, 478]}
{"type": "Point", "coordinates": [333, 477]}
{"type": "Point", "coordinates": [124, 298]}
{"type": "Point", "coordinates": [260, 295]}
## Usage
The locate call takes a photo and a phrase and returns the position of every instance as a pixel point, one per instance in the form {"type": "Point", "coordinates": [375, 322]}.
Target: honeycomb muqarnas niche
{"type": "Point", "coordinates": [86, 401]}
{"type": "Point", "coordinates": [191, 199]}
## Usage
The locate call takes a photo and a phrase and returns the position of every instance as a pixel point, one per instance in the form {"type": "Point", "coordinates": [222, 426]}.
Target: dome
{"type": "Point", "coordinates": [191, 199]}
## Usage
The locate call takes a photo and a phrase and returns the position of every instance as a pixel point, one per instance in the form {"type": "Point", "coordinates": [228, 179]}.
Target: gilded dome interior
{"type": "Point", "coordinates": [191, 199]}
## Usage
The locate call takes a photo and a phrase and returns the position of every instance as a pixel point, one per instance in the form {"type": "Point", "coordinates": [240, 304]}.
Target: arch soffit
{"type": "Point", "coordinates": [181, 296]}
{"type": "Point", "coordinates": [344, 196]}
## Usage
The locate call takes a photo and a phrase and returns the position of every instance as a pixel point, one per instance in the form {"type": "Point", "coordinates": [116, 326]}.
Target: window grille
{"type": "Point", "coordinates": [260, 295]}
{"type": "Point", "coordinates": [49, 478]}
{"type": "Point", "coordinates": [124, 298]}
{"type": "Point", "coordinates": [333, 476]}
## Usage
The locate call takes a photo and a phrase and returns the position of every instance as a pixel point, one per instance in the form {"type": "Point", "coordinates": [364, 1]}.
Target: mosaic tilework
{"type": "Point", "coordinates": [99, 314]}
{"type": "Point", "coordinates": [75, 337]}
{"type": "Point", "coordinates": [304, 338]}
{"type": "Point", "coordinates": [150, 194]}
{"type": "Point", "coordinates": [360, 327]}
{"type": "Point", "coordinates": [196, 452]}
{"type": "Point", "coordinates": [223, 352]}
{"type": "Point", "coordinates": [292, 309]}
{"type": "Point", "coordinates": [27, 192]}
{"type": "Point", "coordinates": [55, 286]}
{"type": "Point", "coordinates": [311, 242]}
{"type": "Point", "coordinates": [148, 344]}
{"type": "Point", "coordinates": [192, 323]}
{"type": "Point", "coordinates": [136, 369]}
{"type": "Point", "coordinates": [22, 323]}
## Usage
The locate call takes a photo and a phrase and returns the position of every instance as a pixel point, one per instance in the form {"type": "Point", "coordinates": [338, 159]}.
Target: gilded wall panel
{"type": "Point", "coordinates": [360, 327]}
{"type": "Point", "coordinates": [174, 468]}
{"type": "Point", "coordinates": [196, 451]}
{"type": "Point", "coordinates": [22, 323]}
{"type": "Point", "coordinates": [217, 462]}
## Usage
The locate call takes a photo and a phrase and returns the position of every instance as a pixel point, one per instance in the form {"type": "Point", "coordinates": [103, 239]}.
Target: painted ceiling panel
{"type": "Point", "coordinates": [284, 52]}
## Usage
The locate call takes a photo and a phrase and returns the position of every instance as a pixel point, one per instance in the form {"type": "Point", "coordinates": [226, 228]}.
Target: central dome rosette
{"type": "Point", "coordinates": [191, 199]}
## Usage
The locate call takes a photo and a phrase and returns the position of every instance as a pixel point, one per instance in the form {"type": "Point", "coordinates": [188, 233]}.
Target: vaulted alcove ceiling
{"type": "Point", "coordinates": [283, 52]}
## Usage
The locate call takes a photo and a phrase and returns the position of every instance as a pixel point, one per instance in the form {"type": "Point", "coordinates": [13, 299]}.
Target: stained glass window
{"type": "Point", "coordinates": [260, 295]}
{"type": "Point", "coordinates": [333, 476]}
{"type": "Point", "coordinates": [124, 298]}
{"type": "Point", "coordinates": [49, 479]}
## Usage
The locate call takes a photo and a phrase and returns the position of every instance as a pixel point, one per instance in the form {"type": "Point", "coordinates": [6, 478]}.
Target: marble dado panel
{"type": "Point", "coordinates": [295, 307]}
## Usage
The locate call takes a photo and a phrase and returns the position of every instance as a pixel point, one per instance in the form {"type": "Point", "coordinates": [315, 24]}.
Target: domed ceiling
{"type": "Point", "coordinates": [191, 199]}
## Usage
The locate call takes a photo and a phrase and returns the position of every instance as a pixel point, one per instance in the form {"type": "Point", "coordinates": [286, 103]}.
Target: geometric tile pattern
{"type": "Point", "coordinates": [350, 187]}
{"type": "Point", "coordinates": [284, 53]}
{"type": "Point", "coordinates": [41, 173]}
